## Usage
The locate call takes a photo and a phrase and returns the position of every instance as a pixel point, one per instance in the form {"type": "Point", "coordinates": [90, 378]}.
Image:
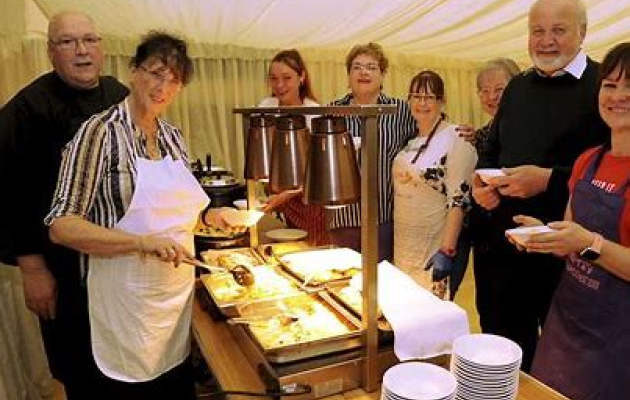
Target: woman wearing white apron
{"type": "Point", "coordinates": [126, 199]}
{"type": "Point", "coordinates": [431, 178]}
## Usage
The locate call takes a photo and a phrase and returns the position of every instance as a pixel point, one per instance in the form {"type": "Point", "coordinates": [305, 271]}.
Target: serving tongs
{"type": "Point", "coordinates": [285, 320]}
{"type": "Point", "coordinates": [241, 273]}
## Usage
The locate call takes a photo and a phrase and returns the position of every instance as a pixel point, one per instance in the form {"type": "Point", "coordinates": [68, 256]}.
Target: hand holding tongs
{"type": "Point", "coordinates": [242, 275]}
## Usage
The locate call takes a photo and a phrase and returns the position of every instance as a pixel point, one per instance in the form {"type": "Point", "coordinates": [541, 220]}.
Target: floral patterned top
{"type": "Point", "coordinates": [424, 192]}
{"type": "Point", "coordinates": [443, 166]}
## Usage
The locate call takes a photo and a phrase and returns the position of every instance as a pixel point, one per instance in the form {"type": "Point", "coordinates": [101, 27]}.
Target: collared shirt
{"type": "Point", "coordinates": [576, 67]}
{"type": "Point", "coordinates": [98, 171]}
{"type": "Point", "coordinates": [394, 130]}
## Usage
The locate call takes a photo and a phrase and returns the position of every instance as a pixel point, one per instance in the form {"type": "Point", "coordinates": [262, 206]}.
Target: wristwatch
{"type": "Point", "coordinates": [592, 252]}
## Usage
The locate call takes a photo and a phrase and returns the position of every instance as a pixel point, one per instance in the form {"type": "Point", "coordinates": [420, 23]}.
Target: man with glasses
{"type": "Point", "coordinates": [35, 125]}
{"type": "Point", "coordinates": [547, 116]}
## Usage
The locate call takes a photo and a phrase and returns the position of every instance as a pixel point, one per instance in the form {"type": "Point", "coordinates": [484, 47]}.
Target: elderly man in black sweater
{"type": "Point", "coordinates": [547, 117]}
{"type": "Point", "coordinates": [35, 125]}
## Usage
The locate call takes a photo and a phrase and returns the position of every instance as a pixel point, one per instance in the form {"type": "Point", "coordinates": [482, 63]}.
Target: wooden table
{"type": "Point", "coordinates": [233, 371]}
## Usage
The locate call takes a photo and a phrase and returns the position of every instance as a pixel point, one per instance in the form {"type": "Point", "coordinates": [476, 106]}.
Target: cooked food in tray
{"type": "Point", "coordinates": [323, 265]}
{"type": "Point", "coordinates": [351, 295]}
{"type": "Point", "coordinates": [212, 232]}
{"type": "Point", "coordinates": [270, 251]}
{"type": "Point", "coordinates": [232, 257]}
{"type": "Point", "coordinates": [296, 320]}
{"type": "Point", "coordinates": [268, 284]}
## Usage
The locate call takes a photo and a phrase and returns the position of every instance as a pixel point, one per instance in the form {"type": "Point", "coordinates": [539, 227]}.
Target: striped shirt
{"type": "Point", "coordinates": [394, 130]}
{"type": "Point", "coordinates": [98, 172]}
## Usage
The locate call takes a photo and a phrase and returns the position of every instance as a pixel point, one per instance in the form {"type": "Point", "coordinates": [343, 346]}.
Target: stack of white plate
{"type": "Point", "coordinates": [486, 367]}
{"type": "Point", "coordinates": [418, 381]}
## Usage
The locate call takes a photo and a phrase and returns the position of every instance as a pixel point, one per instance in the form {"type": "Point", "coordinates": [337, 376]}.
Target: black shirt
{"type": "Point", "coordinates": [547, 122]}
{"type": "Point", "coordinates": [35, 125]}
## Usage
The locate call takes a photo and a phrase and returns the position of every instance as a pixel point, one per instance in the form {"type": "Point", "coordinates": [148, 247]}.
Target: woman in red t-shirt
{"type": "Point", "coordinates": [584, 347]}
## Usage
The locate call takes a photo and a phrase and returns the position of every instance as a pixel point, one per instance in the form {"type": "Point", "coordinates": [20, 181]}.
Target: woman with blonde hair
{"type": "Point", "coordinates": [492, 78]}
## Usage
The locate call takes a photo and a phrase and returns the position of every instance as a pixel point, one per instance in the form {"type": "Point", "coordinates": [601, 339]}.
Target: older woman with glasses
{"type": "Point", "coordinates": [431, 178]}
{"type": "Point", "coordinates": [367, 65]}
{"type": "Point", "coordinates": [127, 201]}
{"type": "Point", "coordinates": [492, 78]}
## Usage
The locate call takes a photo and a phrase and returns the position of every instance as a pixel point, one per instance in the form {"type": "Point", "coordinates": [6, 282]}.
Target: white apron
{"type": "Point", "coordinates": [419, 220]}
{"type": "Point", "coordinates": [419, 208]}
{"type": "Point", "coordinates": [140, 307]}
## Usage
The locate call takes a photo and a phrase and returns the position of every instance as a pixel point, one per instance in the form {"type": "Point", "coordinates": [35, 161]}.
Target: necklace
{"type": "Point", "coordinates": [153, 146]}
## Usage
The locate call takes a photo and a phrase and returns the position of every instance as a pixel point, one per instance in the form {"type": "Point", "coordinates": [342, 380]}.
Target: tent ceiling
{"type": "Point", "coordinates": [469, 29]}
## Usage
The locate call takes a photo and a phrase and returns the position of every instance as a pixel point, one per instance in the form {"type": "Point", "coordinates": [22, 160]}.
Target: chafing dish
{"type": "Point", "coordinates": [317, 326]}
{"type": "Point", "coordinates": [230, 257]}
{"type": "Point", "coordinates": [350, 297]}
{"type": "Point", "coordinates": [270, 251]}
{"type": "Point", "coordinates": [270, 283]}
{"type": "Point", "coordinates": [227, 294]}
{"type": "Point", "coordinates": [322, 265]}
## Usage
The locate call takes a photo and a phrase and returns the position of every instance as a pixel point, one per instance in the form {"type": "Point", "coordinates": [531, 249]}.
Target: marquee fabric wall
{"type": "Point", "coordinates": [231, 76]}
{"type": "Point", "coordinates": [233, 42]}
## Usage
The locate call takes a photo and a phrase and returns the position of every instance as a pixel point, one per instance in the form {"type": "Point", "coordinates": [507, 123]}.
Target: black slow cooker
{"type": "Point", "coordinates": [222, 189]}
{"type": "Point", "coordinates": [221, 186]}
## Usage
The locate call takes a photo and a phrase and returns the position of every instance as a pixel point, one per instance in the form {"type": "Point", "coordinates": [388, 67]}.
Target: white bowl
{"type": "Point", "coordinates": [486, 349]}
{"type": "Point", "coordinates": [486, 174]}
{"type": "Point", "coordinates": [418, 380]}
{"type": "Point", "coordinates": [521, 235]}
{"type": "Point", "coordinates": [286, 235]}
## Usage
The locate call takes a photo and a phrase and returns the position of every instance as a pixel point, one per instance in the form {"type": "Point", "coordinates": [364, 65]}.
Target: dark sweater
{"type": "Point", "coordinates": [35, 125]}
{"type": "Point", "coordinates": [547, 122]}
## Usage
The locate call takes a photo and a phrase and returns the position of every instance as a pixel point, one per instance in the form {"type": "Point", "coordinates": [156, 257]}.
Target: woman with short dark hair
{"type": "Point", "coordinates": [367, 66]}
{"type": "Point", "coordinates": [127, 200]}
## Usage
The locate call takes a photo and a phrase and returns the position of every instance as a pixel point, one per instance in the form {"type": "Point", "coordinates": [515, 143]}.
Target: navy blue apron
{"type": "Point", "coordinates": [584, 351]}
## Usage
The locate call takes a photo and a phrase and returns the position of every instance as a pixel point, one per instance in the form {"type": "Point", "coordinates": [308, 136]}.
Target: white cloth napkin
{"type": "Point", "coordinates": [424, 326]}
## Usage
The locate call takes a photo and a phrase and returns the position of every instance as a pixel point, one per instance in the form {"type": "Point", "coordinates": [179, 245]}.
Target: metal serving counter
{"type": "Point", "coordinates": [232, 367]}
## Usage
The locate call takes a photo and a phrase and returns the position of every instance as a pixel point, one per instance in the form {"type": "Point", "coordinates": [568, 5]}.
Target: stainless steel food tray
{"type": "Point", "coordinates": [334, 290]}
{"type": "Point", "coordinates": [220, 285]}
{"type": "Point", "coordinates": [307, 348]}
{"type": "Point", "coordinates": [271, 251]}
{"type": "Point", "coordinates": [213, 257]}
